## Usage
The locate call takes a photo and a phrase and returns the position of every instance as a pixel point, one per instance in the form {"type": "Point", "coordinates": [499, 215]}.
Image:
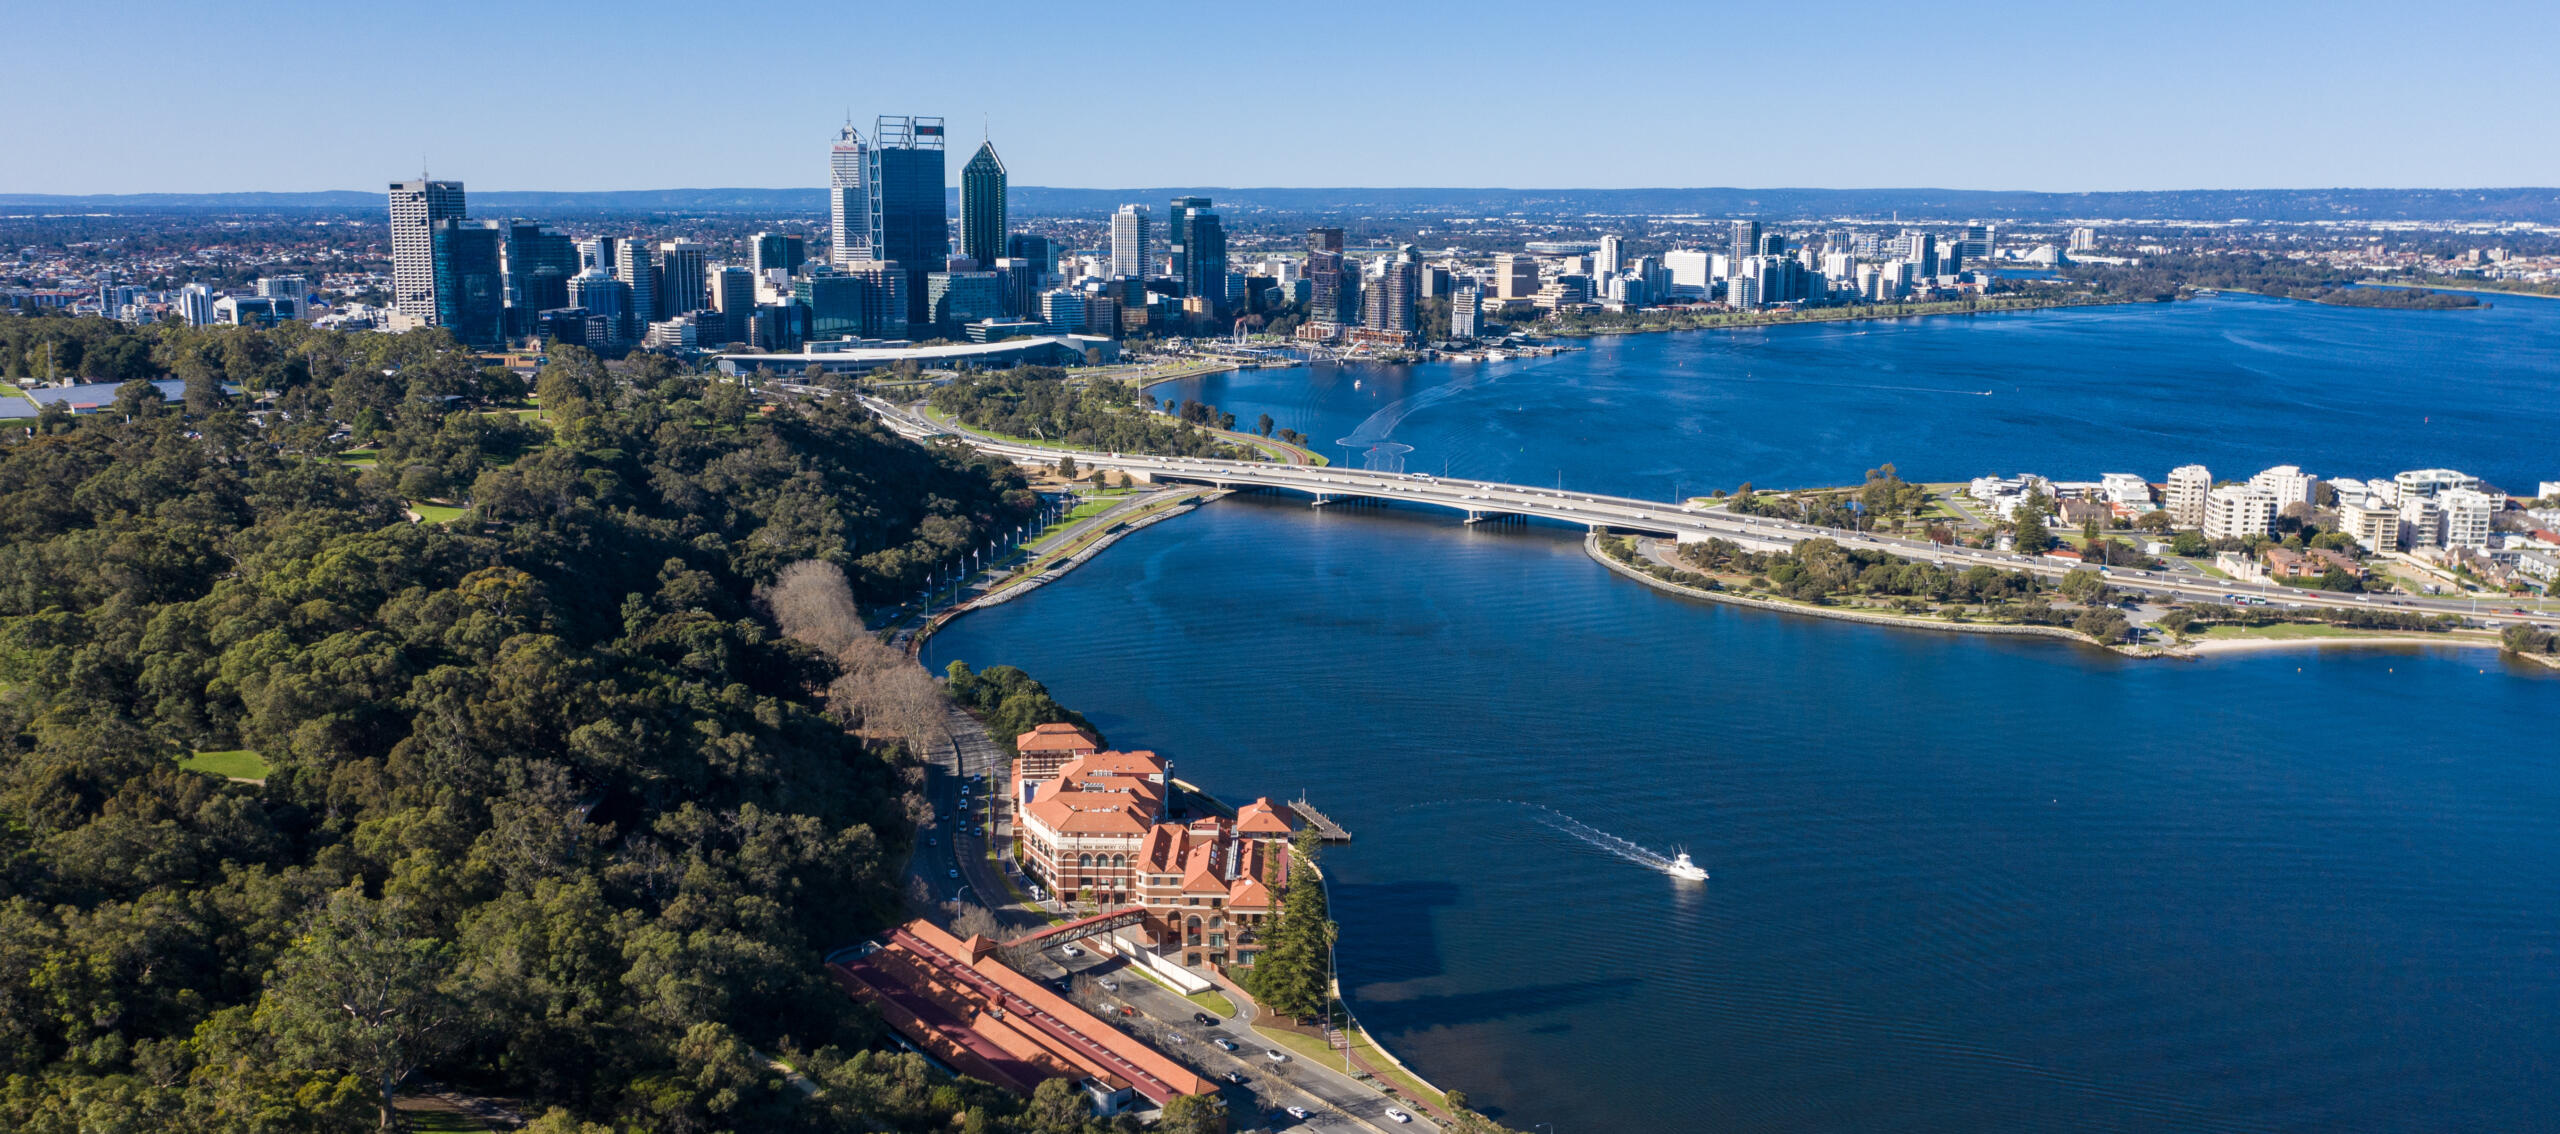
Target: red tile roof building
{"type": "Point", "coordinates": [959, 1004]}
{"type": "Point", "coordinates": [1098, 831]}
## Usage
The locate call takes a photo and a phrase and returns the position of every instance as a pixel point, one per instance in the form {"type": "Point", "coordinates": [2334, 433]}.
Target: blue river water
{"type": "Point", "coordinates": [1960, 883]}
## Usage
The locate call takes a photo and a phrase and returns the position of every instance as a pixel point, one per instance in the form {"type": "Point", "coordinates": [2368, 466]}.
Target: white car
{"type": "Point", "coordinates": [1275, 1055]}
{"type": "Point", "coordinates": [1072, 951]}
{"type": "Point", "coordinates": [1111, 986]}
{"type": "Point", "coordinates": [1297, 1112]}
{"type": "Point", "coordinates": [1398, 1115]}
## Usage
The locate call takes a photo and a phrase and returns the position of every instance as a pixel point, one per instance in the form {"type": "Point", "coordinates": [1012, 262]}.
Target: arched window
{"type": "Point", "coordinates": [1195, 921]}
{"type": "Point", "coordinates": [1084, 862]}
{"type": "Point", "coordinates": [1118, 861]}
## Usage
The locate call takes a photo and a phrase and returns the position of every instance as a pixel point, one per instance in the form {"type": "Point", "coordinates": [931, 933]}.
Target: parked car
{"type": "Point", "coordinates": [1236, 1077]}
{"type": "Point", "coordinates": [1226, 1044]}
{"type": "Point", "coordinates": [1398, 1115]}
{"type": "Point", "coordinates": [1297, 1112]}
{"type": "Point", "coordinates": [1275, 1055]}
{"type": "Point", "coordinates": [1206, 1020]}
{"type": "Point", "coordinates": [1072, 951]}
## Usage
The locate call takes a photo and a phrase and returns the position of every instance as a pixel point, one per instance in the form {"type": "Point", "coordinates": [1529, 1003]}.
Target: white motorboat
{"type": "Point", "coordinates": [1681, 867]}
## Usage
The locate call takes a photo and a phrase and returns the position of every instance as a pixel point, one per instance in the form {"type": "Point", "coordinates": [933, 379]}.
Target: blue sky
{"type": "Point", "coordinates": [194, 97]}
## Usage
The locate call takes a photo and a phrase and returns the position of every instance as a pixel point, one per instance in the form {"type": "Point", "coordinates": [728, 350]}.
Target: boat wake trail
{"type": "Point", "coordinates": [1676, 865]}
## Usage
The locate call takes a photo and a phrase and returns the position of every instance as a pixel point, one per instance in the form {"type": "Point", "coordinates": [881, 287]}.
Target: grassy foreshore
{"type": "Point", "coordinates": [1573, 328]}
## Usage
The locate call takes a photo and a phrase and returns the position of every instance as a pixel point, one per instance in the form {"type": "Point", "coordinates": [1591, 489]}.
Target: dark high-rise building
{"type": "Point", "coordinates": [684, 285]}
{"type": "Point", "coordinates": [1199, 249]}
{"type": "Point", "coordinates": [961, 298]}
{"type": "Point", "coordinates": [470, 285]}
{"type": "Point", "coordinates": [861, 300]}
{"type": "Point", "coordinates": [1333, 284]}
{"type": "Point", "coordinates": [982, 226]}
{"type": "Point", "coordinates": [784, 250]}
{"type": "Point", "coordinates": [539, 264]}
{"type": "Point", "coordinates": [733, 294]}
{"type": "Point", "coordinates": [1746, 241]}
{"type": "Point", "coordinates": [1036, 249]}
{"type": "Point", "coordinates": [910, 225]}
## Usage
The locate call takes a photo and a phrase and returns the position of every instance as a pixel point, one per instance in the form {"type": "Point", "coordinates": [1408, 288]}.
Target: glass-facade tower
{"type": "Point", "coordinates": [982, 219]}
{"type": "Point", "coordinates": [910, 224]}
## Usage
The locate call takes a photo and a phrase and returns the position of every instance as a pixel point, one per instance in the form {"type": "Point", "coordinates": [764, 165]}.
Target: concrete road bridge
{"type": "Point", "coordinates": [1484, 500]}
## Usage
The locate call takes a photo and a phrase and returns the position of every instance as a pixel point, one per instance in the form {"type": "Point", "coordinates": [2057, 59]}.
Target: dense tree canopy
{"type": "Point", "coordinates": [551, 810]}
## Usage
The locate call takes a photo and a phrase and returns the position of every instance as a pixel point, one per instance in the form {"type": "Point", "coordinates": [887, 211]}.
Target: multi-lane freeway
{"type": "Point", "coordinates": [1485, 500]}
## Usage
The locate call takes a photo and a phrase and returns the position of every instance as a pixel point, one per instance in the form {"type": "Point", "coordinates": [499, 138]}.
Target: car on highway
{"type": "Point", "coordinates": [1296, 1112]}
{"type": "Point", "coordinates": [1275, 1055]}
{"type": "Point", "coordinates": [1225, 1044]}
{"type": "Point", "coordinates": [1398, 1116]}
{"type": "Point", "coordinates": [1236, 1077]}
{"type": "Point", "coordinates": [1206, 1020]}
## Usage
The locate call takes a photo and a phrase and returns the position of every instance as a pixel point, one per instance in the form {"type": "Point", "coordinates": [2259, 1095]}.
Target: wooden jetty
{"type": "Point", "coordinates": [1325, 827]}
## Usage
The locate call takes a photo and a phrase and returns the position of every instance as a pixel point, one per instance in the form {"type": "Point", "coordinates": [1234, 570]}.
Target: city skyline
{"type": "Point", "coordinates": [2182, 98]}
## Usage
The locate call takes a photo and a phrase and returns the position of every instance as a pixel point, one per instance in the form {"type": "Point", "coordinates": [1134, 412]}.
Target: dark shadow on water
{"type": "Point", "coordinates": [1495, 1004]}
{"type": "Point", "coordinates": [1396, 940]}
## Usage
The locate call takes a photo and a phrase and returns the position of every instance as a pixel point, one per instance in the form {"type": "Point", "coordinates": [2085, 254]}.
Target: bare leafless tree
{"type": "Point", "coordinates": [812, 603]}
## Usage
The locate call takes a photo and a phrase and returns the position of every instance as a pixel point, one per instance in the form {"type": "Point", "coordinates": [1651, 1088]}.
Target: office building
{"type": "Point", "coordinates": [1198, 242]}
{"type": "Point", "coordinates": [683, 281]}
{"type": "Point", "coordinates": [1466, 306]}
{"type": "Point", "coordinates": [957, 299]}
{"type": "Point", "coordinates": [2083, 240]}
{"type": "Point", "coordinates": [1745, 240]}
{"type": "Point", "coordinates": [2185, 499]}
{"type": "Point", "coordinates": [982, 206]}
{"type": "Point", "coordinates": [910, 224]}
{"type": "Point", "coordinates": [1742, 289]}
{"type": "Point", "coordinates": [1034, 250]}
{"type": "Point", "coordinates": [1515, 275]}
{"type": "Point", "coordinates": [1692, 271]}
{"type": "Point", "coordinates": [733, 295]}
{"type": "Point", "coordinates": [2238, 512]}
{"type": "Point", "coordinates": [470, 284]}
{"type": "Point", "coordinates": [539, 264]}
{"type": "Point", "coordinates": [194, 303]}
{"type": "Point", "coordinates": [597, 252]}
{"type": "Point", "coordinates": [416, 206]}
{"type": "Point", "coordinates": [1129, 241]}
{"type": "Point", "coordinates": [848, 198]}
{"type": "Point", "coordinates": [1610, 259]}
{"type": "Point", "coordinates": [1977, 244]}
{"type": "Point", "coordinates": [294, 288]}
{"type": "Point", "coordinates": [1063, 309]}
{"type": "Point", "coordinates": [253, 310]}
{"type": "Point", "coordinates": [783, 251]}
{"type": "Point", "coordinates": [601, 296]}
{"type": "Point", "coordinates": [638, 271]}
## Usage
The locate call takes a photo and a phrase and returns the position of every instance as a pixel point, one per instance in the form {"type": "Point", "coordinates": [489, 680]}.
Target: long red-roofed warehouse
{"type": "Point", "coordinates": [954, 1000]}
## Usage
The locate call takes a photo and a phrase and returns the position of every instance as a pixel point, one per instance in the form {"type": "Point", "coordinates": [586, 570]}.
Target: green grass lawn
{"type": "Point", "coordinates": [435, 513]}
{"type": "Point", "coordinates": [1215, 1002]}
{"type": "Point", "coordinates": [1305, 1046]}
{"type": "Point", "coordinates": [236, 763]}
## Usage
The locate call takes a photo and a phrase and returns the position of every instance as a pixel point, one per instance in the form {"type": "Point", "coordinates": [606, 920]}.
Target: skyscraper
{"type": "Point", "coordinates": [910, 225]}
{"type": "Point", "coordinates": [683, 283]}
{"type": "Point", "coordinates": [1199, 245]}
{"type": "Point", "coordinates": [1333, 286]}
{"type": "Point", "coordinates": [733, 292]}
{"type": "Point", "coordinates": [638, 271]}
{"type": "Point", "coordinates": [1746, 240]}
{"type": "Point", "coordinates": [1388, 302]}
{"type": "Point", "coordinates": [1466, 302]}
{"type": "Point", "coordinates": [1977, 242]}
{"type": "Point", "coordinates": [848, 198]}
{"type": "Point", "coordinates": [539, 264]}
{"type": "Point", "coordinates": [415, 208]}
{"type": "Point", "coordinates": [982, 226]}
{"type": "Point", "coordinates": [783, 250]}
{"type": "Point", "coordinates": [1611, 258]}
{"type": "Point", "coordinates": [470, 287]}
{"type": "Point", "coordinates": [1129, 241]}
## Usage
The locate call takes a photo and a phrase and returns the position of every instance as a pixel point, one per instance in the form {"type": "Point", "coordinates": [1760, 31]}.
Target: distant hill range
{"type": "Point", "coordinates": [2531, 205]}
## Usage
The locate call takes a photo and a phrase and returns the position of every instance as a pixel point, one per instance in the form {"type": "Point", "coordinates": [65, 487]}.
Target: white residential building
{"type": "Point", "coordinates": [2428, 482]}
{"type": "Point", "coordinates": [2126, 489]}
{"type": "Point", "coordinates": [1693, 272]}
{"type": "Point", "coordinates": [2238, 512]}
{"type": "Point", "coordinates": [1130, 251]}
{"type": "Point", "coordinates": [2374, 521]}
{"type": "Point", "coordinates": [2288, 484]}
{"type": "Point", "coordinates": [2546, 490]}
{"type": "Point", "coordinates": [2185, 498]}
{"type": "Point", "coordinates": [2466, 517]}
{"type": "Point", "coordinates": [2421, 522]}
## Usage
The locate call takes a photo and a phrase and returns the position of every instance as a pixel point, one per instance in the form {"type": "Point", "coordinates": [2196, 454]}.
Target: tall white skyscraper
{"type": "Point", "coordinates": [848, 199]}
{"type": "Point", "coordinates": [415, 208]}
{"type": "Point", "coordinates": [1610, 260]}
{"type": "Point", "coordinates": [1130, 254]}
{"type": "Point", "coordinates": [637, 270]}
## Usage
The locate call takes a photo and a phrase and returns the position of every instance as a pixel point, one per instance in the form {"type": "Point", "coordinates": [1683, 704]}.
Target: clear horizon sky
{"type": "Point", "coordinates": [164, 97]}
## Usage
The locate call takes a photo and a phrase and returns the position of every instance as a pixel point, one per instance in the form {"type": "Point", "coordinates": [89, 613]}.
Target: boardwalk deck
{"type": "Point", "coordinates": [1325, 827]}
